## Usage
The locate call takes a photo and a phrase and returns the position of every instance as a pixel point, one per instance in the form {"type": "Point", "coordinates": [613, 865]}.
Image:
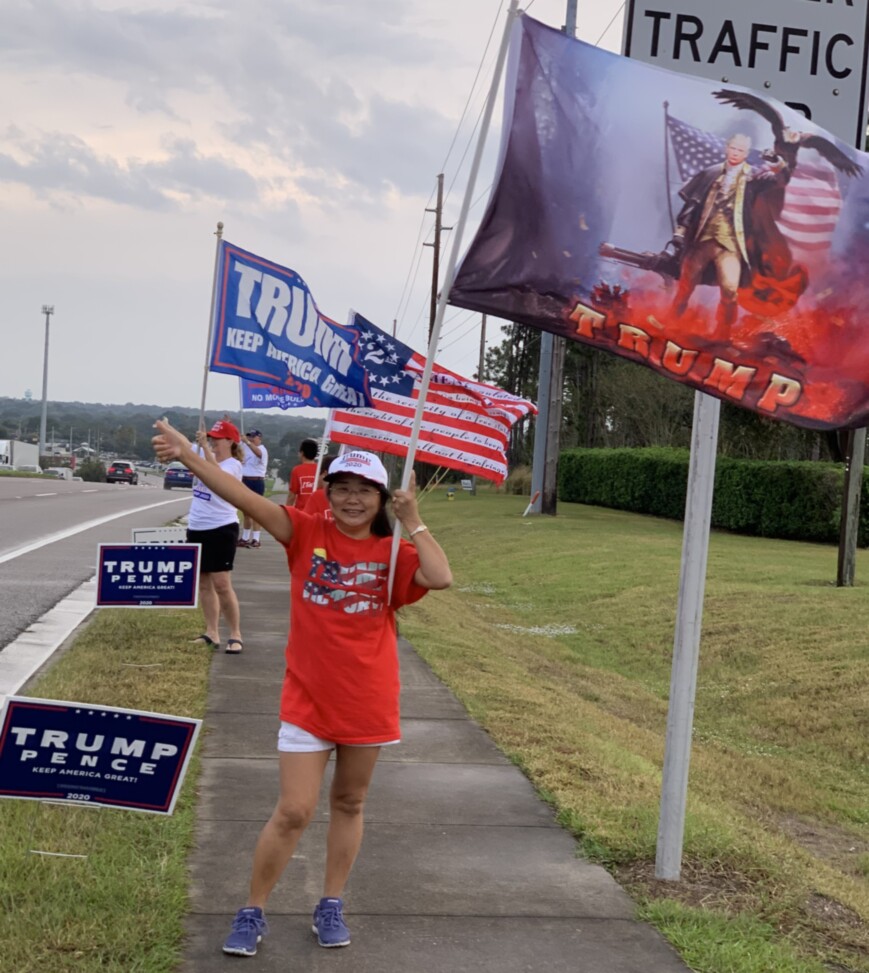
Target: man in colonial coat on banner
{"type": "Point", "coordinates": [725, 235]}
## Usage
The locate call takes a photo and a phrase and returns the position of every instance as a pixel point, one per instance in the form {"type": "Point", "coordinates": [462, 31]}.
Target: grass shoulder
{"type": "Point", "coordinates": [557, 636]}
{"type": "Point", "coordinates": [122, 908]}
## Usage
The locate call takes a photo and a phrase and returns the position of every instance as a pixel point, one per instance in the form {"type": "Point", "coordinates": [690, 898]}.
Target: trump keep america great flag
{"type": "Point", "coordinates": [696, 228]}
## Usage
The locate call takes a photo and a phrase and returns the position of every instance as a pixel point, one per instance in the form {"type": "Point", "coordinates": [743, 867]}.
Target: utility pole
{"type": "Point", "coordinates": [849, 523]}
{"type": "Point", "coordinates": [47, 310]}
{"type": "Point", "coordinates": [435, 267]}
{"type": "Point", "coordinates": [550, 383]}
{"type": "Point", "coordinates": [480, 369]}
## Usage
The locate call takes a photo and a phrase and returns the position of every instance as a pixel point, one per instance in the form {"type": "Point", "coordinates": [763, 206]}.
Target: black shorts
{"type": "Point", "coordinates": [255, 483]}
{"type": "Point", "coordinates": [218, 547]}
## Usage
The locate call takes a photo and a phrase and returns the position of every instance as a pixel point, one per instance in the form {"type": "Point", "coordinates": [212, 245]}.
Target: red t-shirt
{"type": "Point", "coordinates": [303, 479]}
{"type": "Point", "coordinates": [318, 503]}
{"type": "Point", "coordinates": [341, 680]}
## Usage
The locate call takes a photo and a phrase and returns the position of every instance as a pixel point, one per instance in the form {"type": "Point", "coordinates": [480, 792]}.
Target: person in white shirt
{"type": "Point", "coordinates": [253, 475]}
{"type": "Point", "coordinates": [213, 523]}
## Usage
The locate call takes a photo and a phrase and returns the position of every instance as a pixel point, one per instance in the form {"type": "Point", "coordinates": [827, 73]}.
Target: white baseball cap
{"type": "Point", "coordinates": [360, 463]}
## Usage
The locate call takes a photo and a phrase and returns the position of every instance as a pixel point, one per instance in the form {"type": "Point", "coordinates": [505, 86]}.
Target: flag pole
{"type": "Point", "coordinates": [219, 234]}
{"type": "Point", "coordinates": [323, 446]}
{"type": "Point", "coordinates": [450, 273]}
{"type": "Point", "coordinates": [667, 164]}
{"type": "Point", "coordinates": [240, 404]}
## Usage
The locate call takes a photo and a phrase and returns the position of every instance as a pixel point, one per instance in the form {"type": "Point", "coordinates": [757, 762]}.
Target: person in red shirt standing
{"type": "Point", "coordinates": [303, 478]}
{"type": "Point", "coordinates": [318, 502]}
{"type": "Point", "coordinates": [340, 689]}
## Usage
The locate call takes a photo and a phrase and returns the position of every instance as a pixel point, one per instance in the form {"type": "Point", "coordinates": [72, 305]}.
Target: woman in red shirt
{"type": "Point", "coordinates": [344, 699]}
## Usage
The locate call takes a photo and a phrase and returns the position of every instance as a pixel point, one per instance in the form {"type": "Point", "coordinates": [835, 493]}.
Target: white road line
{"type": "Point", "coordinates": [44, 494]}
{"type": "Point", "coordinates": [69, 532]}
{"type": "Point", "coordinates": [21, 658]}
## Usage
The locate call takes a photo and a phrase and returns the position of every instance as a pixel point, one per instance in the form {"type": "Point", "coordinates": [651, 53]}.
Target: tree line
{"type": "Point", "coordinates": [126, 430]}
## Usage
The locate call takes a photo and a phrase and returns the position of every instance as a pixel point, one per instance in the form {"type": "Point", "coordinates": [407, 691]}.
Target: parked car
{"type": "Point", "coordinates": [177, 475]}
{"type": "Point", "coordinates": [59, 472]}
{"type": "Point", "coordinates": [122, 471]}
{"type": "Point", "coordinates": [28, 468]}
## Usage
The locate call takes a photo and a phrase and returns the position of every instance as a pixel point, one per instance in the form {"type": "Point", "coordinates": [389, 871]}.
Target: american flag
{"type": "Point", "coordinates": [465, 424]}
{"type": "Point", "coordinates": [812, 200]}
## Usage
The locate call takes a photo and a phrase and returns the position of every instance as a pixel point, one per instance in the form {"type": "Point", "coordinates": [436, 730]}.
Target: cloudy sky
{"type": "Point", "coordinates": [313, 130]}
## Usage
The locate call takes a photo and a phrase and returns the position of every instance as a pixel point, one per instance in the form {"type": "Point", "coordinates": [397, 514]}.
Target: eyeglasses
{"type": "Point", "coordinates": [344, 490]}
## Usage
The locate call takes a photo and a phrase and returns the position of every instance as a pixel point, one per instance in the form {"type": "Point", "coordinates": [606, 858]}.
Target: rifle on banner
{"type": "Point", "coordinates": [665, 263]}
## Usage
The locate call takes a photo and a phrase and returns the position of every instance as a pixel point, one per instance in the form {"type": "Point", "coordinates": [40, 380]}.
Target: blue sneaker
{"type": "Point", "coordinates": [248, 928]}
{"type": "Point", "coordinates": [329, 923]}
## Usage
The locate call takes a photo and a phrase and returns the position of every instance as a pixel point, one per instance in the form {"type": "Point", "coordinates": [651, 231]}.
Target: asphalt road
{"type": "Point", "coordinates": [34, 512]}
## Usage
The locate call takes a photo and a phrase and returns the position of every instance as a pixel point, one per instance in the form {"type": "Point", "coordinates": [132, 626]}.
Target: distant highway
{"type": "Point", "coordinates": [45, 553]}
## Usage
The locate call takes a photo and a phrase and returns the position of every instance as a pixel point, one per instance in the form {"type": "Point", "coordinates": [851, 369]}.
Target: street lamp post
{"type": "Point", "coordinates": [47, 310]}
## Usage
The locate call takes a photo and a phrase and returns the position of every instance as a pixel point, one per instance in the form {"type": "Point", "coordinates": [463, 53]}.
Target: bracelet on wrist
{"type": "Point", "coordinates": [417, 530]}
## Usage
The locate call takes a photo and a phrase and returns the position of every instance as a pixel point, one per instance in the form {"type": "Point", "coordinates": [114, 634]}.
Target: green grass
{"type": "Point", "coordinates": [121, 908]}
{"type": "Point", "coordinates": [558, 638]}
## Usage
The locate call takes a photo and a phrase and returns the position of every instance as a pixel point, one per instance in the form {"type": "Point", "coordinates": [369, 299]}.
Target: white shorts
{"type": "Point", "coordinates": [293, 739]}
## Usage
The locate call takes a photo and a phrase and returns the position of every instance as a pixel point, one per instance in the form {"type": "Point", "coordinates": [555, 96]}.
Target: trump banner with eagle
{"type": "Point", "coordinates": [700, 229]}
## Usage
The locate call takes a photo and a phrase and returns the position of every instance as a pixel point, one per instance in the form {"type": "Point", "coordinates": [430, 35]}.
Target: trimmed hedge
{"type": "Point", "coordinates": [794, 501]}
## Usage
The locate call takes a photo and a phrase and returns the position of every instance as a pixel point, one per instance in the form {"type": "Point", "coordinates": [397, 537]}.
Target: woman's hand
{"type": "Point", "coordinates": [169, 444]}
{"type": "Point", "coordinates": [404, 505]}
{"type": "Point", "coordinates": [434, 568]}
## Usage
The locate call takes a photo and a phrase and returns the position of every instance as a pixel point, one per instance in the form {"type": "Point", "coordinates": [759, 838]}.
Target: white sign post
{"type": "Point", "coordinates": [810, 54]}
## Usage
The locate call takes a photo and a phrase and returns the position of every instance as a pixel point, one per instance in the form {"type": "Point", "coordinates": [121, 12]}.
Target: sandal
{"type": "Point", "coordinates": [234, 646]}
{"type": "Point", "coordinates": [205, 640]}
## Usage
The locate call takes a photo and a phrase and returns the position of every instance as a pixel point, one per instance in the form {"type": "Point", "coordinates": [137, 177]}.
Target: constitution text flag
{"type": "Point", "coordinates": [465, 424]}
{"type": "Point", "coordinates": [267, 328]}
{"type": "Point", "coordinates": [728, 248]}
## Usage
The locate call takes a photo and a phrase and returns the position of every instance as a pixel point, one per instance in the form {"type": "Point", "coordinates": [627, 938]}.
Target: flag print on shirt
{"type": "Point", "coordinates": [350, 588]}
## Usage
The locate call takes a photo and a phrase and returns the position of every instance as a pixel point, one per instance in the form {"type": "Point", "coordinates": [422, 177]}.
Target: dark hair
{"type": "Point", "coordinates": [381, 526]}
{"type": "Point", "coordinates": [308, 448]}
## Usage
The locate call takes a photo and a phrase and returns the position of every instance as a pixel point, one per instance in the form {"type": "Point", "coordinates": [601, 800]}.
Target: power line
{"type": "Point", "coordinates": [473, 85]}
{"type": "Point", "coordinates": [606, 29]}
{"type": "Point", "coordinates": [464, 334]}
{"type": "Point", "coordinates": [410, 269]}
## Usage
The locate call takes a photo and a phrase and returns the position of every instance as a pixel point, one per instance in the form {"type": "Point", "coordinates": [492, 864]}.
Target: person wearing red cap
{"type": "Point", "coordinates": [341, 684]}
{"type": "Point", "coordinates": [213, 523]}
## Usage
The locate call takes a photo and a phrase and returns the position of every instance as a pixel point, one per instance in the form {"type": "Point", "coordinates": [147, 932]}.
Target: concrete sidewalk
{"type": "Point", "coordinates": [462, 866]}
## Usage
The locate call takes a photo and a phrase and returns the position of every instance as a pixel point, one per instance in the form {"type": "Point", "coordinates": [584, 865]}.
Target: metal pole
{"type": "Point", "coordinates": [435, 267]}
{"type": "Point", "coordinates": [47, 310]}
{"type": "Point", "coordinates": [686, 643]}
{"type": "Point", "coordinates": [547, 425]}
{"type": "Point", "coordinates": [541, 421]}
{"type": "Point", "coordinates": [549, 497]}
{"type": "Point", "coordinates": [849, 526]}
{"type": "Point", "coordinates": [481, 367]}
{"type": "Point", "coordinates": [569, 27]}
